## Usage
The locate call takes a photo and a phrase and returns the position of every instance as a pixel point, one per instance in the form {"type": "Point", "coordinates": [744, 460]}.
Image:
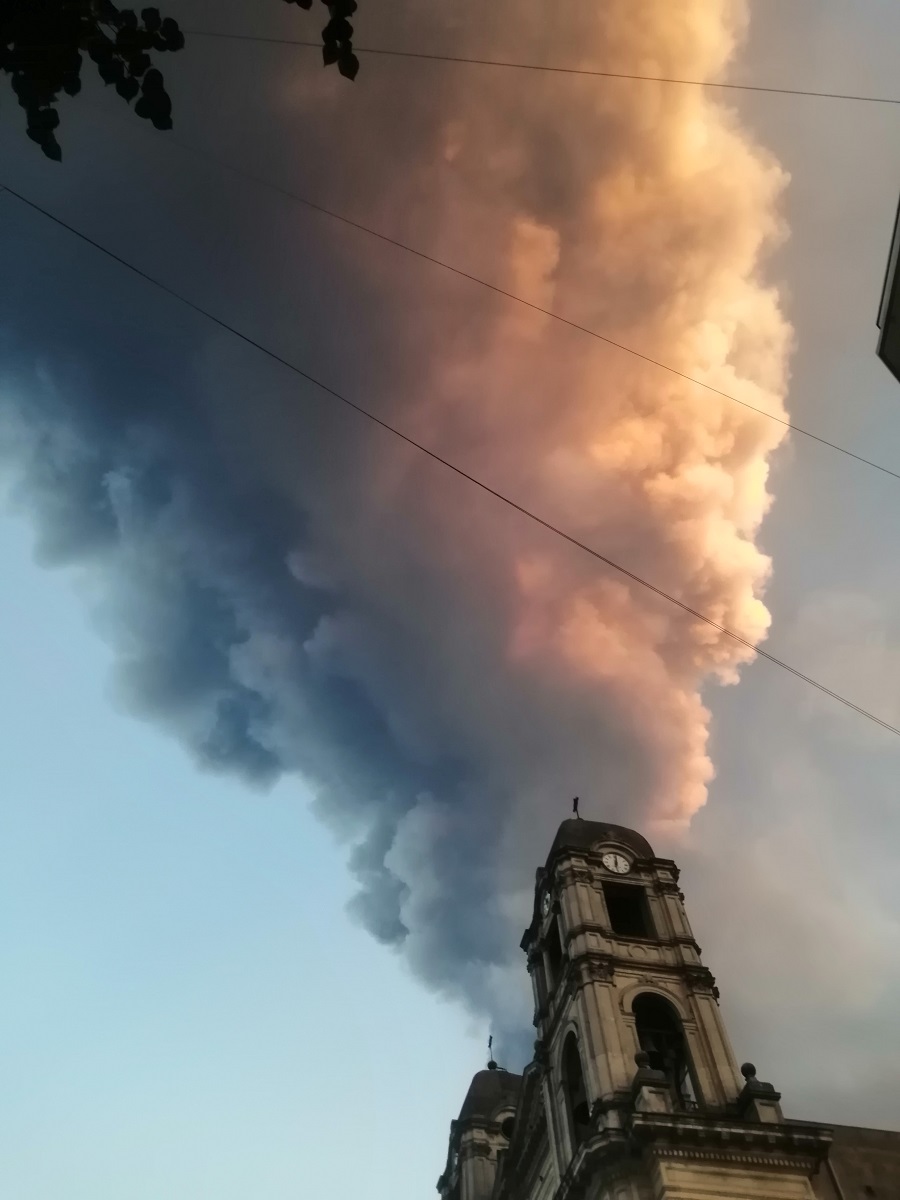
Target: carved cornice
{"type": "Point", "coordinates": [593, 968]}
{"type": "Point", "coordinates": [619, 1101]}
{"type": "Point", "coordinates": [710, 1137]}
{"type": "Point", "coordinates": [799, 1164]}
{"type": "Point", "coordinates": [695, 973]}
{"type": "Point", "coordinates": [701, 979]}
{"type": "Point", "coordinates": [473, 1149]}
{"type": "Point", "coordinates": [669, 865]}
{"type": "Point", "coordinates": [584, 927]}
{"type": "Point", "coordinates": [699, 1139]}
{"type": "Point", "coordinates": [667, 887]}
{"type": "Point", "coordinates": [575, 873]}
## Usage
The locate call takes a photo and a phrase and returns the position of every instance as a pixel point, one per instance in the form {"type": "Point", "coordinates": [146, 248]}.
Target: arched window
{"type": "Point", "coordinates": [575, 1094]}
{"type": "Point", "coordinates": [660, 1033]}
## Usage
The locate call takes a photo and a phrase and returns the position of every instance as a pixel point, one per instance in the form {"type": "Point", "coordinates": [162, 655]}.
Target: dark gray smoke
{"type": "Point", "coordinates": [290, 590]}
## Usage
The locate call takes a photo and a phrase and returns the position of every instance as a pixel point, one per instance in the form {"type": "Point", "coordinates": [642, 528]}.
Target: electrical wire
{"type": "Point", "coordinates": [323, 210]}
{"type": "Point", "coordinates": [432, 454]}
{"type": "Point", "coordinates": [584, 71]}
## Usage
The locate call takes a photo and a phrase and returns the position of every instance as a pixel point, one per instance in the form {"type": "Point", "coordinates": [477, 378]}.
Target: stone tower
{"type": "Point", "coordinates": [634, 1092]}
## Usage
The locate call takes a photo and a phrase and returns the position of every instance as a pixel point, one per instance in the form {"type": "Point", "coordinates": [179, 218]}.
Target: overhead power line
{"type": "Point", "coordinates": [590, 72]}
{"type": "Point", "coordinates": [463, 474]}
{"type": "Point", "coordinates": [323, 210]}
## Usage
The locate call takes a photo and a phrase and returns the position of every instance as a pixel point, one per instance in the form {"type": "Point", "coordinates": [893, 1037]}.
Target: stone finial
{"type": "Point", "coordinates": [758, 1101]}
{"type": "Point", "coordinates": [650, 1090]}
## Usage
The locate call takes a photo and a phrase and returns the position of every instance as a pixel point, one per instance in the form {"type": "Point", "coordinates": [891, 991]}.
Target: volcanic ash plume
{"type": "Point", "coordinates": [446, 673]}
{"type": "Point", "coordinates": [641, 211]}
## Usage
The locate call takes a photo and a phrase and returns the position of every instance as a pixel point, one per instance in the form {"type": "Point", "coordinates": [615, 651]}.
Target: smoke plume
{"type": "Point", "coordinates": [290, 590]}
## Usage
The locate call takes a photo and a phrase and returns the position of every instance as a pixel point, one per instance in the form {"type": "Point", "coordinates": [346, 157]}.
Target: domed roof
{"type": "Point", "coordinates": [489, 1091]}
{"type": "Point", "coordinates": [578, 834]}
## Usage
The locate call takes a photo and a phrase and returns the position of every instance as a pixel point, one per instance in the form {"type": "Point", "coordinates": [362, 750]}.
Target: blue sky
{"type": "Point", "coordinates": [186, 1011]}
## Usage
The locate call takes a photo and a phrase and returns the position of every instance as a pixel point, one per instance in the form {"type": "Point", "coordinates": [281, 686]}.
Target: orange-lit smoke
{"type": "Point", "coordinates": [642, 211]}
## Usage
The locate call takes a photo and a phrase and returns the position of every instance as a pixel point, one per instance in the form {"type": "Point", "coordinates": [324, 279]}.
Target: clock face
{"type": "Point", "coordinates": [615, 862]}
{"type": "Point", "coordinates": [546, 901]}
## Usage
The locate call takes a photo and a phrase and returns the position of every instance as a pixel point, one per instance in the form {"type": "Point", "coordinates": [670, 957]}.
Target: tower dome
{"type": "Point", "coordinates": [578, 834]}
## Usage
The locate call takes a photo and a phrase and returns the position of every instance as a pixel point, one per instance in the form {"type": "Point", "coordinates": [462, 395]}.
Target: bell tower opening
{"type": "Point", "coordinates": [659, 1032]}
{"type": "Point", "coordinates": [629, 913]}
{"type": "Point", "coordinates": [575, 1093]}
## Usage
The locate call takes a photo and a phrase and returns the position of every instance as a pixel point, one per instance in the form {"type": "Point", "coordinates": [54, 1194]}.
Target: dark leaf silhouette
{"type": "Point", "coordinates": [43, 43]}
{"type": "Point", "coordinates": [171, 34]}
{"type": "Point", "coordinates": [338, 29]}
{"type": "Point", "coordinates": [139, 64]}
{"type": "Point", "coordinates": [348, 65]}
{"type": "Point", "coordinates": [128, 87]}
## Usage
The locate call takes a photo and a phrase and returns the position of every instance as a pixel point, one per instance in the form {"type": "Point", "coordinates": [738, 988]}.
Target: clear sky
{"type": "Point", "coordinates": [186, 1009]}
{"type": "Point", "coordinates": [193, 539]}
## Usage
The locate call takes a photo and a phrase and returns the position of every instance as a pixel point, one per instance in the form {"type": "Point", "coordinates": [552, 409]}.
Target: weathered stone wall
{"type": "Point", "coordinates": [861, 1159]}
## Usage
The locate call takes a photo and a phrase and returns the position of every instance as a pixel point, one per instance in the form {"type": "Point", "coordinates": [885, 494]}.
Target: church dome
{"type": "Point", "coordinates": [490, 1091]}
{"type": "Point", "coordinates": [578, 834]}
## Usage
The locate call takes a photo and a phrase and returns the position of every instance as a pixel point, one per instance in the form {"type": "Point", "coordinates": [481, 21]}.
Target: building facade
{"type": "Point", "coordinates": [634, 1092]}
{"type": "Point", "coordinates": [889, 309]}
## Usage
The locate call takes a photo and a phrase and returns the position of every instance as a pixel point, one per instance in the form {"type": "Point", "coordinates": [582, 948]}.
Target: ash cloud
{"type": "Point", "coordinates": [289, 590]}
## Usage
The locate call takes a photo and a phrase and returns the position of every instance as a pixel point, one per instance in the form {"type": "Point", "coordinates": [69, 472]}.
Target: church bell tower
{"type": "Point", "coordinates": [641, 1092]}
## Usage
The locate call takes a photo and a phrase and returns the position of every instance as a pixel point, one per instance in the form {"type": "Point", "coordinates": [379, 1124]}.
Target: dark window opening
{"type": "Point", "coordinates": [659, 1032]}
{"type": "Point", "coordinates": [629, 913]}
{"type": "Point", "coordinates": [507, 1126]}
{"type": "Point", "coordinates": [540, 984]}
{"type": "Point", "coordinates": [576, 1096]}
{"type": "Point", "coordinates": [554, 954]}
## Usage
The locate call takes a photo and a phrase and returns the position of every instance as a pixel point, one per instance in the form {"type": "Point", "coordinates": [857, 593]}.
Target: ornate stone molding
{"type": "Point", "coordinates": [587, 927]}
{"type": "Point", "coordinates": [697, 1139]}
{"type": "Point", "coordinates": [592, 968]}
{"type": "Point", "coordinates": [667, 887]}
{"type": "Point", "coordinates": [475, 1150]}
{"type": "Point", "coordinates": [800, 1164]}
{"type": "Point", "coordinates": [701, 979]}
{"type": "Point", "coordinates": [534, 958]}
{"type": "Point", "coordinates": [574, 873]}
{"type": "Point", "coordinates": [715, 1138]}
